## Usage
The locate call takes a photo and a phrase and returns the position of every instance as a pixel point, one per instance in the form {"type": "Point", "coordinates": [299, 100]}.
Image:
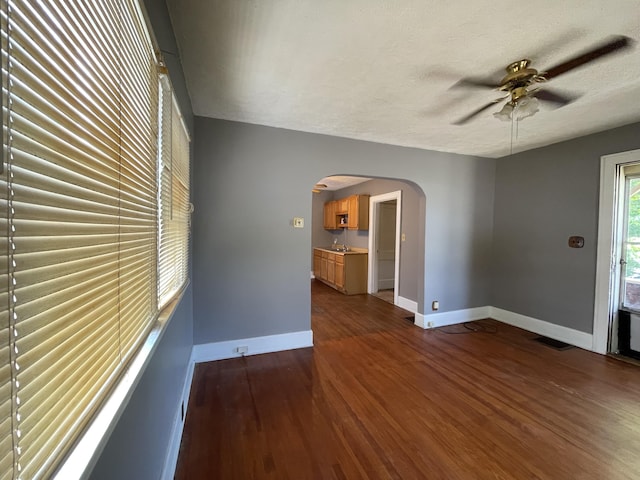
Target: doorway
{"type": "Point", "coordinates": [613, 250]}
{"type": "Point", "coordinates": [385, 213]}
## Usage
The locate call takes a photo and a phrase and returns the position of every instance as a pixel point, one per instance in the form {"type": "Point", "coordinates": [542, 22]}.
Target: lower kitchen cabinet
{"type": "Point", "coordinates": [331, 268]}
{"type": "Point", "coordinates": [344, 271]}
{"type": "Point", "coordinates": [339, 277]}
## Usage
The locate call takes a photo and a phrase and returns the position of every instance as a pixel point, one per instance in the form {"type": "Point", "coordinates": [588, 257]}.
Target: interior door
{"type": "Point", "coordinates": [386, 243]}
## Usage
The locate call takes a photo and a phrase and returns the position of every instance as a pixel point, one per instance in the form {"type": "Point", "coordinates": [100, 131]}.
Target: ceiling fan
{"type": "Point", "coordinates": [519, 84]}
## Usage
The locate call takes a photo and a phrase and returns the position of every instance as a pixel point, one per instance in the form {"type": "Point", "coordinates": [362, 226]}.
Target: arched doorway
{"type": "Point", "coordinates": [404, 269]}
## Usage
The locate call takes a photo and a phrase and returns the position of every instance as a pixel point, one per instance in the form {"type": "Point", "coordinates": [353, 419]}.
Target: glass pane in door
{"type": "Point", "coordinates": [630, 261]}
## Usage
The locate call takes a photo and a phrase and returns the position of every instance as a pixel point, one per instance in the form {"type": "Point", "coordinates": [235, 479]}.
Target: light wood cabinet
{"type": "Point", "coordinates": [330, 215]}
{"type": "Point", "coordinates": [323, 265]}
{"type": "Point", "coordinates": [358, 212]}
{"type": "Point", "coordinates": [317, 260]}
{"type": "Point", "coordinates": [339, 273]}
{"type": "Point", "coordinates": [331, 268]}
{"type": "Point", "coordinates": [351, 212]}
{"type": "Point", "coordinates": [342, 206]}
{"type": "Point", "coordinates": [346, 272]}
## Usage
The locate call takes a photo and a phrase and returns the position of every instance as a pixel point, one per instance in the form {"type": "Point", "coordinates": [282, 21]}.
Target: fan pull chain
{"type": "Point", "coordinates": [512, 120]}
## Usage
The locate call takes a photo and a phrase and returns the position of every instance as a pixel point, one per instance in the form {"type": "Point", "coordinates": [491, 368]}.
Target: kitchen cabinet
{"type": "Point", "coordinates": [317, 260]}
{"type": "Point", "coordinates": [350, 212]}
{"type": "Point", "coordinates": [342, 206]}
{"type": "Point", "coordinates": [358, 212]}
{"type": "Point", "coordinates": [323, 265]}
{"type": "Point", "coordinates": [331, 268]}
{"type": "Point", "coordinates": [339, 272]}
{"type": "Point", "coordinates": [330, 215]}
{"type": "Point", "coordinates": [344, 271]}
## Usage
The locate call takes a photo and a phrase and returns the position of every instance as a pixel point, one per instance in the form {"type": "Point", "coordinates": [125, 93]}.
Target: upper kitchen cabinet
{"type": "Point", "coordinates": [342, 206]}
{"type": "Point", "coordinates": [358, 212]}
{"type": "Point", "coordinates": [330, 215]}
{"type": "Point", "coordinates": [350, 212]}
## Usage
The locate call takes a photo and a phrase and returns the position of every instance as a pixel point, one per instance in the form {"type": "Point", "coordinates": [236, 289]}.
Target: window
{"type": "Point", "coordinates": [173, 199]}
{"type": "Point", "coordinates": [82, 226]}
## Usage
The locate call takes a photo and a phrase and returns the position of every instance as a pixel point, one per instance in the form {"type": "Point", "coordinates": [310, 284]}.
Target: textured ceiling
{"type": "Point", "coordinates": [380, 70]}
{"type": "Point", "coordinates": [336, 182]}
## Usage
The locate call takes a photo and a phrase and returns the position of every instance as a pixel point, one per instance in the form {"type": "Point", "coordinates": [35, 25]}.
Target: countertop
{"type": "Point", "coordinates": [352, 250]}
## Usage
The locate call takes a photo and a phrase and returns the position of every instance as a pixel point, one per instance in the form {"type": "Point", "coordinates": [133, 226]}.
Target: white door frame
{"type": "Point", "coordinates": [374, 202]}
{"type": "Point", "coordinates": [606, 298]}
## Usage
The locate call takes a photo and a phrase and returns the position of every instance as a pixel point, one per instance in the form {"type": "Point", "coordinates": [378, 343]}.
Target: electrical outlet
{"type": "Point", "coordinates": [242, 350]}
{"type": "Point", "coordinates": [576, 242]}
{"type": "Point", "coordinates": [430, 324]}
{"type": "Point", "coordinates": [435, 305]}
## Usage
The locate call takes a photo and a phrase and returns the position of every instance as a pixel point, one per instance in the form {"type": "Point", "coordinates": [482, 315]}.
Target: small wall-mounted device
{"type": "Point", "coordinates": [298, 222]}
{"type": "Point", "coordinates": [576, 242]}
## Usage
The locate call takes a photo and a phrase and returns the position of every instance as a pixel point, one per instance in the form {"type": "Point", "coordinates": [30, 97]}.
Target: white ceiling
{"type": "Point", "coordinates": [380, 70]}
{"type": "Point", "coordinates": [337, 182]}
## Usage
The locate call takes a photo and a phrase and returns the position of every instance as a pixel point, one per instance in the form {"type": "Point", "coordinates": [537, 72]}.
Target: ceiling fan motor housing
{"type": "Point", "coordinates": [518, 75]}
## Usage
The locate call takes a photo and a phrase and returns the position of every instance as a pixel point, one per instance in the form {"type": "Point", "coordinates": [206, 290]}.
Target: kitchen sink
{"type": "Point", "coordinates": [340, 250]}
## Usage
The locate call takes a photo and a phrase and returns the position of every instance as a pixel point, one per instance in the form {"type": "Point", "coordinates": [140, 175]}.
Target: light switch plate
{"type": "Point", "coordinates": [298, 222]}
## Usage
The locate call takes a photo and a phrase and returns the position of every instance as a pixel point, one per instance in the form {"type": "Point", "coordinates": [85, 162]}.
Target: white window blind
{"type": "Point", "coordinates": [79, 195]}
{"type": "Point", "coordinates": [173, 252]}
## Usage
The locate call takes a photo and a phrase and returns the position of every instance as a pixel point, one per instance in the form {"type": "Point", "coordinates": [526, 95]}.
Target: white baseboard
{"type": "Point", "coordinates": [407, 304]}
{"type": "Point", "coordinates": [443, 319]}
{"type": "Point", "coordinates": [171, 459]}
{"type": "Point", "coordinates": [209, 352]}
{"type": "Point", "coordinates": [557, 332]}
{"type": "Point", "coordinates": [551, 330]}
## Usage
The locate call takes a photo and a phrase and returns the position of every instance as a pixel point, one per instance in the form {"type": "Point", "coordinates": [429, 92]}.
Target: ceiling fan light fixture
{"type": "Point", "coordinates": [526, 107]}
{"type": "Point", "coordinates": [505, 113]}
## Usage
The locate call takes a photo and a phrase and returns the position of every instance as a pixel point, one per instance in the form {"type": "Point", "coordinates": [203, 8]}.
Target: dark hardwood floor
{"type": "Point", "coordinates": [379, 398]}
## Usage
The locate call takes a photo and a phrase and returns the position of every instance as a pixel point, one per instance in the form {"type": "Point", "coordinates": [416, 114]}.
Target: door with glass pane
{"type": "Point", "coordinates": [630, 254]}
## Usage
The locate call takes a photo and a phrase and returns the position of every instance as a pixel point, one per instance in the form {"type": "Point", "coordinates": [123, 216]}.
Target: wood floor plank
{"type": "Point", "coordinates": [379, 398]}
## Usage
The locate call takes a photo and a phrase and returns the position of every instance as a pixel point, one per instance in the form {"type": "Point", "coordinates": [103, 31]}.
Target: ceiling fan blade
{"type": "Point", "coordinates": [465, 119]}
{"type": "Point", "coordinates": [617, 43]}
{"type": "Point", "coordinates": [475, 82]}
{"type": "Point", "coordinates": [549, 96]}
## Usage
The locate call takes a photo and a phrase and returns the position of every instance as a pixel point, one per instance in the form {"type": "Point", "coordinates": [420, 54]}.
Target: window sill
{"type": "Point", "coordinates": [84, 455]}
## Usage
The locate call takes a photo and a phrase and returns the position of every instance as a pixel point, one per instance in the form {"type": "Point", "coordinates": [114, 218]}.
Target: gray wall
{"type": "Point", "coordinates": [251, 277]}
{"type": "Point", "coordinates": [542, 197]}
{"type": "Point", "coordinates": [138, 444]}
{"type": "Point", "coordinates": [412, 226]}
